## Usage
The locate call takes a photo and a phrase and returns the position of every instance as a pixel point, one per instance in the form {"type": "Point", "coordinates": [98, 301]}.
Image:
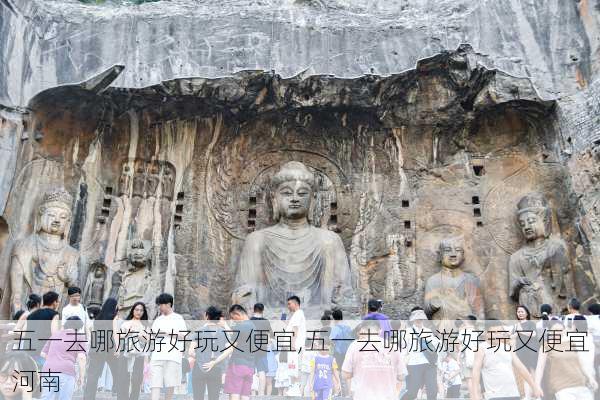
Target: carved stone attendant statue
{"type": "Point", "coordinates": [293, 256]}
{"type": "Point", "coordinates": [136, 278]}
{"type": "Point", "coordinates": [538, 270]}
{"type": "Point", "coordinates": [93, 293]}
{"type": "Point", "coordinates": [44, 261]}
{"type": "Point", "coordinates": [453, 293]}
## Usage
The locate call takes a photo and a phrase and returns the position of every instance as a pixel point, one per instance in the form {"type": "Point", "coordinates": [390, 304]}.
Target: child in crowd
{"type": "Point", "coordinates": [324, 378]}
{"type": "Point", "coordinates": [270, 376]}
{"type": "Point", "coordinates": [451, 378]}
{"type": "Point", "coordinates": [306, 365]}
{"type": "Point", "coordinates": [282, 376]}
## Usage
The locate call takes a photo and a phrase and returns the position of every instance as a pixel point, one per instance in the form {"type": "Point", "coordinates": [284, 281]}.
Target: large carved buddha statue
{"type": "Point", "coordinates": [538, 272]}
{"type": "Point", "coordinates": [453, 293]}
{"type": "Point", "coordinates": [44, 261]}
{"type": "Point", "coordinates": [293, 256]}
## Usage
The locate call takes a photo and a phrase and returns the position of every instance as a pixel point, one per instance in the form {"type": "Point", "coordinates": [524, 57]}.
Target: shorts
{"type": "Point", "coordinates": [261, 363]}
{"type": "Point", "coordinates": [575, 393]}
{"type": "Point", "coordinates": [238, 380]}
{"type": "Point", "coordinates": [165, 373]}
{"type": "Point", "coordinates": [322, 394]}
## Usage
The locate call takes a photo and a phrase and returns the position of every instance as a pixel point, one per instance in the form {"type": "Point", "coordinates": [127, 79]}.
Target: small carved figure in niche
{"type": "Point", "coordinates": [136, 277]}
{"type": "Point", "coordinates": [453, 293]}
{"type": "Point", "coordinates": [115, 284]}
{"type": "Point", "coordinates": [44, 261]}
{"type": "Point", "coordinates": [396, 279]}
{"type": "Point", "coordinates": [93, 293]}
{"type": "Point", "coordinates": [293, 256]}
{"type": "Point", "coordinates": [538, 270]}
{"type": "Point", "coordinates": [168, 182]}
{"type": "Point", "coordinates": [146, 177]}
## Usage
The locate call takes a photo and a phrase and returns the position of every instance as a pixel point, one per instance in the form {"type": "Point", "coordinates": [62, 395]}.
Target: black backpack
{"type": "Point", "coordinates": [430, 355]}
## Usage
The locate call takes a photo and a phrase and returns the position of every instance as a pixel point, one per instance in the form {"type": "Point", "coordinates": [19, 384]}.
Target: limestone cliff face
{"type": "Point", "coordinates": [49, 43]}
{"type": "Point", "coordinates": [413, 136]}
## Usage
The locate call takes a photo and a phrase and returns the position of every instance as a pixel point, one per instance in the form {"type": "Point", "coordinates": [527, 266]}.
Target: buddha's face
{"type": "Point", "coordinates": [453, 254]}
{"type": "Point", "coordinates": [54, 220]}
{"type": "Point", "coordinates": [138, 254]}
{"type": "Point", "coordinates": [293, 199]}
{"type": "Point", "coordinates": [532, 225]}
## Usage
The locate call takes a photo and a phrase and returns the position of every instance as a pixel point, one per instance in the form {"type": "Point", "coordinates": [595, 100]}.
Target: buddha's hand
{"type": "Point", "coordinates": [242, 294]}
{"type": "Point", "coordinates": [524, 281]}
{"type": "Point", "coordinates": [63, 272]}
{"type": "Point", "coordinates": [435, 303]}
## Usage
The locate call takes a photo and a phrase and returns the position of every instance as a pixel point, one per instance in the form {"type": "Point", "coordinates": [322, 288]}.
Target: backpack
{"type": "Point", "coordinates": [430, 355]}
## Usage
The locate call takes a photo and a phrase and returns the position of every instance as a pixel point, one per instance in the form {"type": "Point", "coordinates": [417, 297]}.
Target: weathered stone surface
{"type": "Point", "coordinates": [50, 43]}
{"type": "Point", "coordinates": [445, 149]}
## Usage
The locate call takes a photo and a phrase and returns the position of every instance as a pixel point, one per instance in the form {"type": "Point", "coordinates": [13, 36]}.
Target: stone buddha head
{"type": "Point", "coordinates": [533, 216]}
{"type": "Point", "coordinates": [139, 253]}
{"type": "Point", "coordinates": [292, 191]}
{"type": "Point", "coordinates": [452, 252]}
{"type": "Point", "coordinates": [54, 213]}
{"type": "Point", "coordinates": [99, 271]}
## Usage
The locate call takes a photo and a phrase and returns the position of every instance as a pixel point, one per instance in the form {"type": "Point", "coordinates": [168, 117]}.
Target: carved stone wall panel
{"type": "Point", "coordinates": [400, 162]}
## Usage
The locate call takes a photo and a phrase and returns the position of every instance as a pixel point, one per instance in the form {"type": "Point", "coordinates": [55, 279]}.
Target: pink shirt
{"type": "Point", "coordinates": [374, 374]}
{"type": "Point", "coordinates": [62, 350]}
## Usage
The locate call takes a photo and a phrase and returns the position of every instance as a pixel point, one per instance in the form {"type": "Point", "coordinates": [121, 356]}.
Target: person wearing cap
{"type": "Point", "coordinates": [374, 307]}
{"type": "Point", "coordinates": [421, 363]}
{"type": "Point", "coordinates": [75, 308]}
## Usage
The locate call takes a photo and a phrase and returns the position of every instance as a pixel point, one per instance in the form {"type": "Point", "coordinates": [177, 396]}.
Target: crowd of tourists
{"type": "Point", "coordinates": [354, 358]}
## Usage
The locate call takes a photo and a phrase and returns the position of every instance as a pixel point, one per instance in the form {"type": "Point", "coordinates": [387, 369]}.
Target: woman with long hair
{"type": "Point", "coordinates": [16, 368]}
{"type": "Point", "coordinates": [105, 323]}
{"type": "Point", "coordinates": [132, 357]}
{"type": "Point", "coordinates": [566, 375]}
{"type": "Point", "coordinates": [526, 345]}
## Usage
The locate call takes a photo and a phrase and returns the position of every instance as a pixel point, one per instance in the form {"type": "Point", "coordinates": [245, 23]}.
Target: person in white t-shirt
{"type": "Point", "coordinates": [297, 325]}
{"type": "Point", "coordinates": [75, 309]}
{"type": "Point", "coordinates": [165, 362]}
